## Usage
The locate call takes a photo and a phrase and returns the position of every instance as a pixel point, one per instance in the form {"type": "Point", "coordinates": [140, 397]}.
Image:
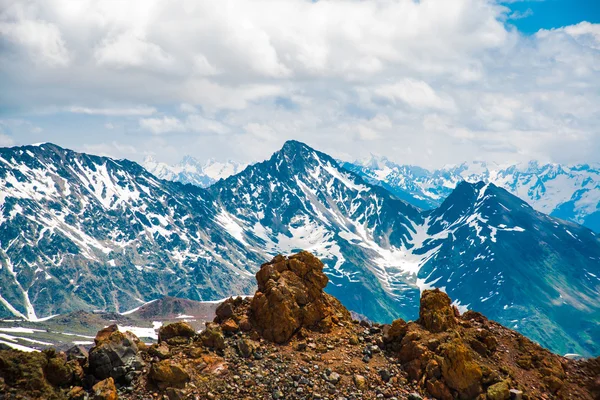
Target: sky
{"type": "Point", "coordinates": [429, 82]}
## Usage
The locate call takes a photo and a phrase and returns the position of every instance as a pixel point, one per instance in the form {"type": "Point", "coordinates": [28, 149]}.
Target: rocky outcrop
{"type": "Point", "coordinates": [436, 313]}
{"type": "Point", "coordinates": [290, 297]}
{"type": "Point", "coordinates": [443, 355]}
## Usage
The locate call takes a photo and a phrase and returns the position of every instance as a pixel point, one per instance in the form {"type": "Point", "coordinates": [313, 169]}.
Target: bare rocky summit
{"type": "Point", "coordinates": [293, 341]}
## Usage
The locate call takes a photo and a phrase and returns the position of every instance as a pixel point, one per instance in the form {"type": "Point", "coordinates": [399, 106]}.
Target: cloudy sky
{"type": "Point", "coordinates": [424, 82]}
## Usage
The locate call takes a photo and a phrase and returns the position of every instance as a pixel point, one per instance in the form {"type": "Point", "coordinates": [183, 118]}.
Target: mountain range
{"type": "Point", "coordinates": [190, 170]}
{"type": "Point", "coordinates": [569, 192]}
{"type": "Point", "coordinates": [84, 232]}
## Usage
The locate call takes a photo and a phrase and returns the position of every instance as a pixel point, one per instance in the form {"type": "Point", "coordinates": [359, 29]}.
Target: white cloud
{"type": "Point", "coordinates": [425, 82]}
{"type": "Point", "coordinates": [192, 123]}
{"type": "Point", "coordinates": [127, 111]}
{"type": "Point", "coordinates": [417, 94]}
{"type": "Point", "coordinates": [521, 14]}
{"type": "Point", "coordinates": [6, 141]}
{"type": "Point", "coordinates": [129, 50]}
{"type": "Point", "coordinates": [162, 125]}
{"type": "Point", "coordinates": [41, 40]}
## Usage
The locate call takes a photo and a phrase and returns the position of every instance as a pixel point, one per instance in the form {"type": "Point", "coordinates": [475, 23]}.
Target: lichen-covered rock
{"type": "Point", "coordinates": [212, 336]}
{"type": "Point", "coordinates": [290, 296]}
{"type": "Point", "coordinates": [395, 331]}
{"type": "Point", "coordinates": [177, 329]}
{"type": "Point", "coordinates": [58, 372]}
{"type": "Point", "coordinates": [160, 350]}
{"type": "Point", "coordinates": [498, 391]}
{"type": "Point", "coordinates": [168, 373]}
{"type": "Point", "coordinates": [459, 370]}
{"type": "Point", "coordinates": [105, 390]}
{"type": "Point", "coordinates": [25, 372]}
{"type": "Point", "coordinates": [435, 312]}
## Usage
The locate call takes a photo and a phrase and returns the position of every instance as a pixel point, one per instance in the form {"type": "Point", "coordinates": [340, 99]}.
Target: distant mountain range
{"type": "Point", "coordinates": [568, 192]}
{"type": "Point", "coordinates": [190, 170]}
{"type": "Point", "coordinates": [85, 232]}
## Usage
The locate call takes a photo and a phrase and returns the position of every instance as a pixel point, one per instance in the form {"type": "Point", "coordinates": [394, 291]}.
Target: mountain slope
{"type": "Point", "coordinates": [487, 248]}
{"type": "Point", "coordinates": [80, 231]}
{"type": "Point", "coordinates": [192, 171]}
{"type": "Point", "coordinates": [529, 271]}
{"type": "Point", "coordinates": [301, 199]}
{"type": "Point", "coordinates": [568, 192]}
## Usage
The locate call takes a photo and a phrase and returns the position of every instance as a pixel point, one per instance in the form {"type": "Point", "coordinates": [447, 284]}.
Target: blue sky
{"type": "Point", "coordinates": [532, 16]}
{"type": "Point", "coordinates": [427, 83]}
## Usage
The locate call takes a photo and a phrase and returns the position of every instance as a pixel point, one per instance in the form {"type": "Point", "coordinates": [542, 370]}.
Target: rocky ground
{"type": "Point", "coordinates": [293, 341]}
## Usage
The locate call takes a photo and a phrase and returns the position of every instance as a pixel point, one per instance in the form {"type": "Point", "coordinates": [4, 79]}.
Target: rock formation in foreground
{"type": "Point", "coordinates": [293, 341]}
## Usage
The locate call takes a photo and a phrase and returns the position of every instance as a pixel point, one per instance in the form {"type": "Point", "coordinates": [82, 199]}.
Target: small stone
{"type": "Point", "coordinates": [360, 382]}
{"type": "Point", "coordinates": [385, 375]}
{"type": "Point", "coordinates": [334, 377]}
{"type": "Point", "coordinates": [516, 394]}
{"type": "Point", "coordinates": [76, 393]}
{"type": "Point", "coordinates": [414, 396]}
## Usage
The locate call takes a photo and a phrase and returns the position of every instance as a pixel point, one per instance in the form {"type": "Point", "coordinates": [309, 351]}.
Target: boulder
{"type": "Point", "coordinates": [105, 390]}
{"type": "Point", "coordinates": [498, 391]}
{"type": "Point", "coordinates": [160, 350]}
{"type": "Point", "coordinates": [178, 329]}
{"type": "Point", "coordinates": [212, 336]}
{"type": "Point", "coordinates": [290, 297]}
{"type": "Point", "coordinates": [105, 333]}
{"type": "Point", "coordinates": [459, 370]}
{"type": "Point", "coordinates": [435, 312]}
{"type": "Point", "coordinates": [439, 390]}
{"type": "Point", "coordinates": [115, 355]}
{"type": "Point", "coordinates": [168, 373]}
{"type": "Point", "coordinates": [395, 332]}
{"type": "Point", "coordinates": [59, 371]}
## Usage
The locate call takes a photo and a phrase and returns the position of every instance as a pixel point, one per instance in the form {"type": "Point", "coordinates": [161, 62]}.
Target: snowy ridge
{"type": "Point", "coordinates": [67, 220]}
{"type": "Point", "coordinates": [190, 170]}
{"type": "Point", "coordinates": [567, 192]}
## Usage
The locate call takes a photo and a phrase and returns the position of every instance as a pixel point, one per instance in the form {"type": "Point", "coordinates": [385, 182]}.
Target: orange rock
{"type": "Point", "coordinates": [105, 390]}
{"type": "Point", "coordinates": [230, 326]}
{"type": "Point", "coordinates": [459, 370]}
{"type": "Point", "coordinates": [105, 333]}
{"type": "Point", "coordinates": [290, 296]}
{"type": "Point", "coordinates": [436, 313]}
{"type": "Point", "coordinates": [178, 329]}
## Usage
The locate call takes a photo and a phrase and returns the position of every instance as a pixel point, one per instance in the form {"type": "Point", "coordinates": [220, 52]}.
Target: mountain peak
{"type": "Point", "coordinates": [295, 146]}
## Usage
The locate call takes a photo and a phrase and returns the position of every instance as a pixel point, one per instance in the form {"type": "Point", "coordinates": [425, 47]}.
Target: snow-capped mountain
{"type": "Point", "coordinates": [80, 231]}
{"type": "Point", "coordinates": [190, 170]}
{"type": "Point", "coordinates": [571, 193]}
{"type": "Point", "coordinates": [85, 232]}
